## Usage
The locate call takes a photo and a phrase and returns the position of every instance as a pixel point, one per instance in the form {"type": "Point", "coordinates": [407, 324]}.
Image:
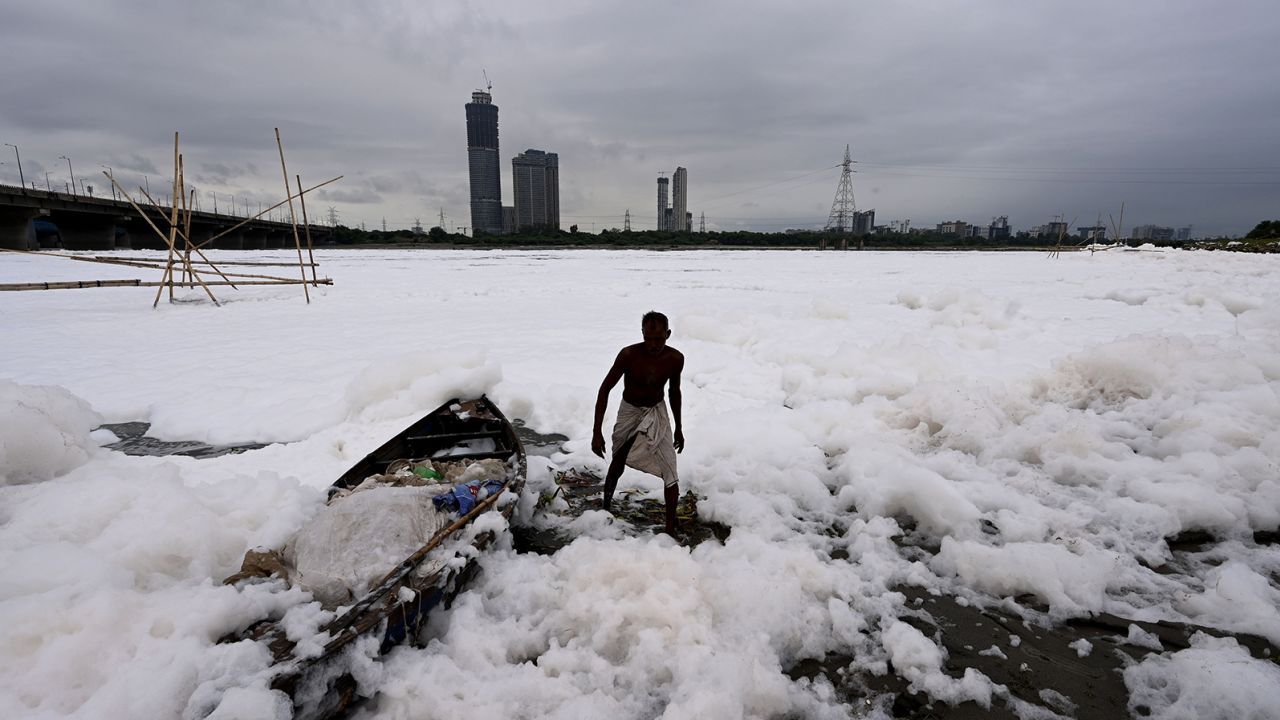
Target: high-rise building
{"type": "Point", "coordinates": [1153, 232]}
{"type": "Point", "coordinates": [662, 204]}
{"type": "Point", "coordinates": [535, 181]}
{"type": "Point", "coordinates": [999, 228]}
{"type": "Point", "coordinates": [864, 222]}
{"type": "Point", "coordinates": [482, 162]}
{"type": "Point", "coordinates": [679, 199]}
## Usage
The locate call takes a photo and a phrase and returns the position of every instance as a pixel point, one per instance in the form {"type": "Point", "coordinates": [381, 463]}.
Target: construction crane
{"type": "Point", "coordinates": [488, 86]}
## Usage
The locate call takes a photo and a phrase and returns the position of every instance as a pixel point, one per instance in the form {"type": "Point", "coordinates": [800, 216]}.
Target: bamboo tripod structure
{"type": "Point", "coordinates": [179, 268]}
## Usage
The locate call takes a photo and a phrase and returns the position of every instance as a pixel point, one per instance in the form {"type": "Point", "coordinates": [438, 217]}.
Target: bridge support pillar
{"type": "Point", "coordinates": [142, 237]}
{"type": "Point", "coordinates": [253, 239]}
{"type": "Point", "coordinates": [83, 231]}
{"type": "Point", "coordinates": [123, 238]}
{"type": "Point", "coordinates": [17, 231]}
{"type": "Point", "coordinates": [274, 240]}
{"type": "Point", "coordinates": [231, 241]}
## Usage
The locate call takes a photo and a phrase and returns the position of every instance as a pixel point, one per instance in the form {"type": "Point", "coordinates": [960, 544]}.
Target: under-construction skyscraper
{"type": "Point", "coordinates": [663, 209]}
{"type": "Point", "coordinates": [482, 162]}
{"type": "Point", "coordinates": [679, 199]}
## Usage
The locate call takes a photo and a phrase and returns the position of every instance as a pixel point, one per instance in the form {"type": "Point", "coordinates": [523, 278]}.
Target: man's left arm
{"type": "Point", "coordinates": [675, 404]}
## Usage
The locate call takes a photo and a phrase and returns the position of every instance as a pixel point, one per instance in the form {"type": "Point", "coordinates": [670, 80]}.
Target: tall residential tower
{"type": "Point", "coordinates": [535, 177]}
{"type": "Point", "coordinates": [679, 200]}
{"type": "Point", "coordinates": [482, 161]}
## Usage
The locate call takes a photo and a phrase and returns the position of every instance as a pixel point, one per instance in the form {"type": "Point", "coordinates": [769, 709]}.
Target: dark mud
{"type": "Point", "coordinates": [536, 443]}
{"type": "Point", "coordinates": [583, 490]}
{"type": "Point", "coordinates": [135, 441]}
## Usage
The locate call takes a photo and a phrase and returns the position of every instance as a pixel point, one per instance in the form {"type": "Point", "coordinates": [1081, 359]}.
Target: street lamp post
{"type": "Point", "coordinates": [111, 175]}
{"type": "Point", "coordinates": [15, 154]}
{"type": "Point", "coordinates": [72, 173]}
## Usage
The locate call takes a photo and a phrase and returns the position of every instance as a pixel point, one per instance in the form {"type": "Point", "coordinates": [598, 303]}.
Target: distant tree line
{"type": "Point", "coordinates": [922, 239]}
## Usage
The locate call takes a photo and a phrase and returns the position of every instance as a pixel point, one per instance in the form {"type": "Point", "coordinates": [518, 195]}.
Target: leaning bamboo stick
{"type": "Point", "coordinates": [194, 262]}
{"type": "Point", "coordinates": [141, 213]}
{"type": "Point", "coordinates": [306, 225]}
{"type": "Point", "coordinates": [284, 281]}
{"type": "Point", "coordinates": [293, 219]}
{"type": "Point", "coordinates": [168, 274]}
{"type": "Point", "coordinates": [248, 220]}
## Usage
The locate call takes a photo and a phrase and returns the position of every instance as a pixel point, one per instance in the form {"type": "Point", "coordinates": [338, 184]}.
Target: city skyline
{"type": "Point", "coordinates": [990, 109]}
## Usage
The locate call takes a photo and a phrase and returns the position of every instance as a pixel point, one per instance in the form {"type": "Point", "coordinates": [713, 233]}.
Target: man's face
{"type": "Point", "coordinates": [655, 337]}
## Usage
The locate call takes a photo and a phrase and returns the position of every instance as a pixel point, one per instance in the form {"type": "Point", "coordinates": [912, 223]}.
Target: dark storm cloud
{"type": "Point", "coordinates": [355, 196]}
{"type": "Point", "coordinates": [956, 110]}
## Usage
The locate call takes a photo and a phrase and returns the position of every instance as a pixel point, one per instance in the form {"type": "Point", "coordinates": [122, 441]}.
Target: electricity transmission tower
{"type": "Point", "coordinates": [842, 207]}
{"type": "Point", "coordinates": [333, 216]}
{"type": "Point", "coordinates": [702, 223]}
{"type": "Point", "coordinates": [626, 221]}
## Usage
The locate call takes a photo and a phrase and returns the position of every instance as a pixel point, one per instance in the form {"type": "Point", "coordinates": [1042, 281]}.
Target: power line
{"type": "Point", "coordinates": [772, 184]}
{"type": "Point", "coordinates": [1085, 181]}
{"type": "Point", "coordinates": [1036, 168]}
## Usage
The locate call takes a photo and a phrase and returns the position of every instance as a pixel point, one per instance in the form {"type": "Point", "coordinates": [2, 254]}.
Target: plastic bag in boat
{"type": "Point", "coordinates": [352, 544]}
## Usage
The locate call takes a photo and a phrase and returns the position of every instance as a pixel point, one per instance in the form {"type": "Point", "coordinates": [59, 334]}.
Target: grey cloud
{"type": "Point", "coordinates": [356, 196]}
{"type": "Point", "coordinates": [927, 94]}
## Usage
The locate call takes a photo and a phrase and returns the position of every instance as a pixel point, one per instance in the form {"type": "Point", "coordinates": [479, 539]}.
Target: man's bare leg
{"type": "Point", "coordinates": [672, 495]}
{"type": "Point", "coordinates": [616, 466]}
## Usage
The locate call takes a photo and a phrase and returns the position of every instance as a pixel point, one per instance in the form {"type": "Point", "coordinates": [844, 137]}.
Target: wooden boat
{"type": "Point", "coordinates": [459, 431]}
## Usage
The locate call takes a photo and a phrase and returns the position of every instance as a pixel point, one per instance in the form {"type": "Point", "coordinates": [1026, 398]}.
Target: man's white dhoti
{"type": "Point", "coordinates": [653, 449]}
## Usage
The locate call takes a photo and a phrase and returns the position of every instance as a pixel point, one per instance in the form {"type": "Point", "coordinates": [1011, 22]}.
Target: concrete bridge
{"type": "Point", "coordinates": [91, 223]}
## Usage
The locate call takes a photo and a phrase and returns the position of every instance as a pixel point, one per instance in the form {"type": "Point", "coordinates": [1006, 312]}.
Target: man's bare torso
{"type": "Point", "coordinates": [645, 374]}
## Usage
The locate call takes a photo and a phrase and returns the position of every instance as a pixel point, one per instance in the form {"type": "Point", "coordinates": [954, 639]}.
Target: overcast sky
{"type": "Point", "coordinates": [954, 110]}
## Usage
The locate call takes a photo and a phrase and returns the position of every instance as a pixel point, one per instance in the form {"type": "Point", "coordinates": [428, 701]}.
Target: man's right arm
{"type": "Point", "coordinates": [602, 401]}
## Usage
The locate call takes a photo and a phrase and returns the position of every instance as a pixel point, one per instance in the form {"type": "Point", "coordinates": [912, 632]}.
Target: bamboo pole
{"type": "Point", "coordinates": [69, 285]}
{"type": "Point", "coordinates": [293, 219]}
{"type": "Point", "coordinates": [173, 225]}
{"type": "Point", "coordinates": [180, 192]}
{"type": "Point", "coordinates": [86, 284]}
{"type": "Point", "coordinates": [194, 262]}
{"type": "Point", "coordinates": [306, 225]}
{"type": "Point", "coordinates": [248, 220]}
{"type": "Point", "coordinates": [153, 266]}
{"type": "Point", "coordinates": [104, 258]}
{"type": "Point", "coordinates": [186, 219]}
{"type": "Point", "coordinates": [156, 265]}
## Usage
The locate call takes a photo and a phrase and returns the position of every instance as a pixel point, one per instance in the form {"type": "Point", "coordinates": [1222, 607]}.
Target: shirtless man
{"type": "Point", "coordinates": [642, 436]}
